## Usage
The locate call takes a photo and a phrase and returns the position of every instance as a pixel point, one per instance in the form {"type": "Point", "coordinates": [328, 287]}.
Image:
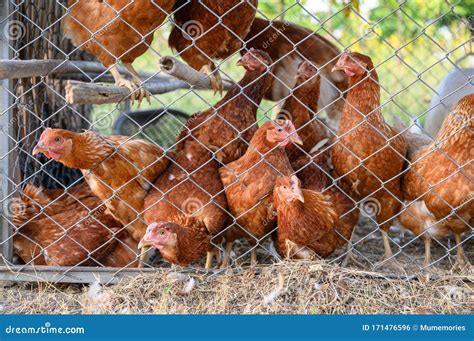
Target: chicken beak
{"type": "Point", "coordinates": [240, 62]}
{"type": "Point", "coordinates": [38, 149]}
{"type": "Point", "coordinates": [298, 194]}
{"type": "Point", "coordinates": [337, 67]}
{"type": "Point", "coordinates": [143, 243]}
{"type": "Point", "coordinates": [296, 139]}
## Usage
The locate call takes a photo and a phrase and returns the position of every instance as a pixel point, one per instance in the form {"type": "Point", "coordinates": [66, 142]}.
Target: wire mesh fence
{"type": "Point", "coordinates": [272, 130]}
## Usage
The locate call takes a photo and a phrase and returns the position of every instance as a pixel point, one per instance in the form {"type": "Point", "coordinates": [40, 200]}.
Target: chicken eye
{"type": "Point", "coordinates": [280, 129]}
{"type": "Point", "coordinates": [57, 139]}
{"type": "Point", "coordinates": [162, 232]}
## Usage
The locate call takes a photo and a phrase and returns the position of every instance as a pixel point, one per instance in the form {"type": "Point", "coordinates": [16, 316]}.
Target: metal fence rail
{"type": "Point", "coordinates": [204, 167]}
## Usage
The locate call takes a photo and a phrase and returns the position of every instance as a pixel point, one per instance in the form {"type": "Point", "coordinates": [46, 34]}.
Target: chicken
{"type": "Point", "coordinates": [442, 195]}
{"type": "Point", "coordinates": [309, 221]}
{"type": "Point", "coordinates": [419, 220]}
{"type": "Point", "coordinates": [207, 30]}
{"type": "Point", "coordinates": [288, 45]}
{"type": "Point", "coordinates": [116, 30]}
{"type": "Point", "coordinates": [119, 169]}
{"type": "Point", "coordinates": [187, 202]}
{"type": "Point", "coordinates": [249, 183]}
{"type": "Point", "coordinates": [314, 176]}
{"type": "Point", "coordinates": [65, 231]}
{"type": "Point", "coordinates": [368, 156]}
{"type": "Point", "coordinates": [228, 126]}
{"type": "Point", "coordinates": [301, 107]}
{"type": "Point", "coordinates": [452, 88]}
{"type": "Point", "coordinates": [124, 254]}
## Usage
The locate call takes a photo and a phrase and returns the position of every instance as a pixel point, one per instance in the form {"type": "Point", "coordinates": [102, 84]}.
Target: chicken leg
{"type": "Point", "coordinates": [214, 77]}
{"type": "Point", "coordinates": [427, 252]}
{"type": "Point", "coordinates": [388, 259]}
{"type": "Point", "coordinates": [209, 259]}
{"type": "Point", "coordinates": [228, 249]}
{"type": "Point", "coordinates": [461, 261]}
{"type": "Point", "coordinates": [138, 92]}
{"type": "Point", "coordinates": [350, 253]}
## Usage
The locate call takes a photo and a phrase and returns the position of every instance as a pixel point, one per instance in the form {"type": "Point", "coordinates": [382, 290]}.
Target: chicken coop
{"type": "Point", "coordinates": [206, 136]}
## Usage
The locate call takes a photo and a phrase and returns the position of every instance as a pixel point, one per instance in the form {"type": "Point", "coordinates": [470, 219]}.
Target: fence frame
{"type": "Point", "coordinates": [6, 230]}
{"type": "Point", "coordinates": [8, 271]}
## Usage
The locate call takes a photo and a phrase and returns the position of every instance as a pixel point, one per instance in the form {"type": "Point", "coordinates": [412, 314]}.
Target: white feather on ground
{"type": "Point", "coordinates": [272, 295]}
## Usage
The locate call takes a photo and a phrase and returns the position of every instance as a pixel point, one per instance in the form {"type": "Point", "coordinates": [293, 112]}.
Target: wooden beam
{"type": "Point", "coordinates": [173, 67]}
{"type": "Point", "coordinates": [97, 93]}
{"type": "Point", "coordinates": [11, 69]}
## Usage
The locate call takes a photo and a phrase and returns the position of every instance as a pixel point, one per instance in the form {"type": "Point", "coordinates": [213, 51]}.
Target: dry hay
{"type": "Point", "coordinates": [285, 288]}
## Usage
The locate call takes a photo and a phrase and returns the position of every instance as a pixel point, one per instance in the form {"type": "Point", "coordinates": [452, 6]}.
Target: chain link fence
{"type": "Point", "coordinates": [270, 130]}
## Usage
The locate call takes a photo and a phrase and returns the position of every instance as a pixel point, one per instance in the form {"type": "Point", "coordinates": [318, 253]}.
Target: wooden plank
{"type": "Point", "coordinates": [67, 274]}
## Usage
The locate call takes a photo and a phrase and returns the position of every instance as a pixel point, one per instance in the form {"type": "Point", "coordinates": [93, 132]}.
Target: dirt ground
{"type": "Point", "coordinates": [286, 288]}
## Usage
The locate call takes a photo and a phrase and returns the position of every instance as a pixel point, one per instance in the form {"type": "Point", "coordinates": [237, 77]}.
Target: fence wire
{"type": "Point", "coordinates": [343, 133]}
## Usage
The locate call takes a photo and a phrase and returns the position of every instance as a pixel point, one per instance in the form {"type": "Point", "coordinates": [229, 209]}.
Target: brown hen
{"type": "Point", "coordinates": [189, 195]}
{"type": "Point", "coordinates": [288, 45]}
{"type": "Point", "coordinates": [369, 154]}
{"type": "Point", "coordinates": [315, 179]}
{"type": "Point", "coordinates": [207, 30]}
{"type": "Point", "coordinates": [249, 183]}
{"type": "Point", "coordinates": [118, 169]}
{"type": "Point", "coordinates": [306, 220]}
{"type": "Point", "coordinates": [116, 30]}
{"type": "Point", "coordinates": [72, 229]}
{"type": "Point", "coordinates": [228, 126]}
{"type": "Point", "coordinates": [301, 107]}
{"type": "Point", "coordinates": [445, 190]}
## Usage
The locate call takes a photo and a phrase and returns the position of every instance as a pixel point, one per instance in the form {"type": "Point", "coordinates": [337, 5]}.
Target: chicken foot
{"type": "Point", "coordinates": [214, 77]}
{"type": "Point", "coordinates": [388, 259]}
{"type": "Point", "coordinates": [138, 92]}
{"type": "Point", "coordinates": [350, 257]}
